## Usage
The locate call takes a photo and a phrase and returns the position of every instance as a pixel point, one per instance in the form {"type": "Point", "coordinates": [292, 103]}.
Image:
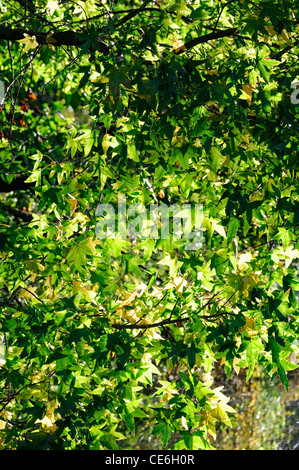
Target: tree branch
{"type": "Point", "coordinates": [18, 213]}
{"type": "Point", "coordinates": [132, 14]}
{"type": "Point", "coordinates": [145, 326]}
{"type": "Point", "coordinates": [216, 315]}
{"type": "Point", "coordinates": [221, 11]}
{"type": "Point", "coordinates": [16, 184]}
{"type": "Point", "coordinates": [279, 54]}
{"type": "Point", "coordinates": [73, 38]}
{"type": "Point", "coordinates": [62, 38]}
{"type": "Point", "coordinates": [168, 321]}
{"type": "Point", "coordinates": [205, 38]}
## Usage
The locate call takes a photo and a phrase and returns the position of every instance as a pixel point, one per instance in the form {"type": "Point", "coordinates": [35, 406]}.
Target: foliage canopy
{"type": "Point", "coordinates": [172, 102]}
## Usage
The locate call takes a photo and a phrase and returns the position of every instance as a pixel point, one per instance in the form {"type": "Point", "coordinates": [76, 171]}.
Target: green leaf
{"type": "Point", "coordinates": [195, 441]}
{"type": "Point", "coordinates": [216, 159]}
{"type": "Point", "coordinates": [232, 229]}
{"type": "Point", "coordinates": [164, 430]}
{"type": "Point", "coordinates": [132, 152]}
{"type": "Point", "coordinates": [219, 262]}
{"type": "Point", "coordinates": [284, 236]}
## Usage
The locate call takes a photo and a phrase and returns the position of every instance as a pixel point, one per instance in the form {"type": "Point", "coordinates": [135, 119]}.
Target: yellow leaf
{"type": "Point", "coordinates": [270, 29]}
{"type": "Point", "coordinates": [141, 288]}
{"type": "Point", "coordinates": [95, 77]}
{"type": "Point", "coordinates": [52, 6]}
{"type": "Point", "coordinates": [250, 328]}
{"type": "Point", "coordinates": [152, 334]}
{"type": "Point", "coordinates": [184, 423]}
{"type": "Point", "coordinates": [211, 430]}
{"type": "Point", "coordinates": [224, 418]}
{"type": "Point", "coordinates": [80, 217]}
{"type": "Point", "coordinates": [91, 244]}
{"type": "Point", "coordinates": [49, 287]}
{"type": "Point", "coordinates": [247, 91]}
{"type": "Point", "coordinates": [34, 268]}
{"type": "Point", "coordinates": [219, 229]}
{"type": "Point", "coordinates": [48, 422]}
{"type": "Point", "coordinates": [235, 366]}
{"type": "Point", "coordinates": [245, 138]}
{"type": "Point", "coordinates": [103, 79]}
{"type": "Point", "coordinates": [86, 293]}
{"type": "Point", "coordinates": [249, 325]}
{"type": "Point", "coordinates": [178, 46]}
{"type": "Point", "coordinates": [178, 283]}
{"type": "Point", "coordinates": [290, 255]}
{"type": "Point", "coordinates": [172, 263]}
{"type": "Point", "coordinates": [242, 261]}
{"type": "Point", "coordinates": [5, 415]}
{"type": "Point", "coordinates": [249, 281]}
{"type": "Point", "coordinates": [28, 294]}
{"type": "Point", "coordinates": [72, 202]}
{"type": "Point", "coordinates": [105, 144]}
{"type": "Point", "coordinates": [284, 38]}
{"type": "Point", "coordinates": [132, 315]}
{"type": "Point", "coordinates": [29, 41]}
{"type": "Point", "coordinates": [50, 41]}
{"type": "Point", "coordinates": [108, 141]}
{"type": "Point", "coordinates": [130, 297]}
{"type": "Point", "coordinates": [157, 292]}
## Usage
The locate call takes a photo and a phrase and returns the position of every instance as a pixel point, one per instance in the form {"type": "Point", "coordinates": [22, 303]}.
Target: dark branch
{"type": "Point", "coordinates": [216, 315]}
{"type": "Point", "coordinates": [16, 184]}
{"type": "Point", "coordinates": [221, 11]}
{"type": "Point", "coordinates": [62, 38]}
{"type": "Point", "coordinates": [205, 38]}
{"type": "Point", "coordinates": [279, 54]}
{"type": "Point", "coordinates": [132, 14]}
{"type": "Point", "coordinates": [145, 326]}
{"type": "Point", "coordinates": [18, 213]}
{"type": "Point", "coordinates": [168, 321]}
{"type": "Point", "coordinates": [72, 38]}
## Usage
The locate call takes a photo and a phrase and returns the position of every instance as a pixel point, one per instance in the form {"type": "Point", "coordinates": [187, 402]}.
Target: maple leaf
{"type": "Point", "coordinates": [178, 46]}
{"type": "Point", "coordinates": [52, 6]}
{"type": "Point", "coordinates": [87, 294]}
{"type": "Point", "coordinates": [173, 265]}
{"type": "Point", "coordinates": [50, 41]}
{"type": "Point", "coordinates": [178, 283]}
{"type": "Point", "coordinates": [29, 41]}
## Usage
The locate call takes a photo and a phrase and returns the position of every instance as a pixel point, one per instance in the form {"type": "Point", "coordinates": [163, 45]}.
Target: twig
{"type": "Point", "coordinates": [173, 309]}
{"type": "Point", "coordinates": [118, 326]}
{"type": "Point", "coordinates": [32, 293]}
{"type": "Point", "coordinates": [216, 315]}
{"type": "Point", "coordinates": [286, 49]}
{"type": "Point", "coordinates": [162, 298]}
{"type": "Point", "coordinates": [61, 71]}
{"type": "Point", "coordinates": [224, 6]}
{"type": "Point", "coordinates": [132, 14]}
{"type": "Point", "coordinates": [170, 321]}
{"type": "Point", "coordinates": [205, 38]}
{"type": "Point", "coordinates": [208, 302]}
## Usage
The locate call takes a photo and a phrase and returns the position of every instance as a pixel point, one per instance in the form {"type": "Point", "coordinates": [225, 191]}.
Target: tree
{"type": "Point", "coordinates": [186, 104]}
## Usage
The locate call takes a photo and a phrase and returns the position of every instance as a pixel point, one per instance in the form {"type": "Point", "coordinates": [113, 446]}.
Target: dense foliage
{"type": "Point", "coordinates": [173, 102]}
